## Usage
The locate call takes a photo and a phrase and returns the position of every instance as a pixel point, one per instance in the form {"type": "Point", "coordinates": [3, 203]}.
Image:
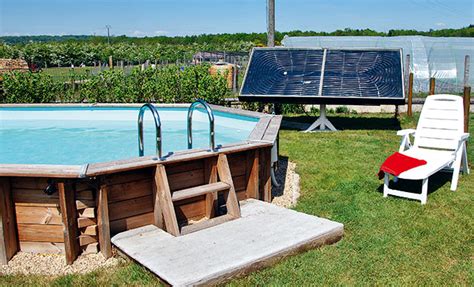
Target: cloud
{"type": "Point", "coordinates": [440, 24]}
{"type": "Point", "coordinates": [138, 33]}
{"type": "Point", "coordinates": [160, 33]}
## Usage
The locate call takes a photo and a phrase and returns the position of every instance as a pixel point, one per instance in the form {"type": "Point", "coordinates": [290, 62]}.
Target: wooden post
{"type": "Point", "coordinates": [111, 62]}
{"type": "Point", "coordinates": [467, 107]}
{"type": "Point", "coordinates": [410, 95]}
{"type": "Point", "coordinates": [210, 176]}
{"type": "Point", "coordinates": [432, 86]}
{"type": "Point", "coordinates": [103, 222]}
{"type": "Point", "coordinates": [265, 180]}
{"type": "Point", "coordinates": [8, 233]}
{"type": "Point", "coordinates": [270, 23]}
{"type": "Point", "coordinates": [67, 204]}
{"type": "Point", "coordinates": [407, 72]}
{"type": "Point", "coordinates": [466, 70]}
{"type": "Point", "coordinates": [253, 174]}
{"type": "Point", "coordinates": [167, 207]}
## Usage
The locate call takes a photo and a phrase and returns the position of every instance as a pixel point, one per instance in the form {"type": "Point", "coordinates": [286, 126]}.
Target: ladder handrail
{"type": "Point", "coordinates": [210, 115]}
{"type": "Point", "coordinates": [156, 117]}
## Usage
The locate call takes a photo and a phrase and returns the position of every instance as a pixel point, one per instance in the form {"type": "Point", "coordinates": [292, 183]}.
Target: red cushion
{"type": "Point", "coordinates": [398, 163]}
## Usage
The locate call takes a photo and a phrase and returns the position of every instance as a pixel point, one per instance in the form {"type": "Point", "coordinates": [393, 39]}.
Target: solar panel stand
{"type": "Point", "coordinates": [322, 122]}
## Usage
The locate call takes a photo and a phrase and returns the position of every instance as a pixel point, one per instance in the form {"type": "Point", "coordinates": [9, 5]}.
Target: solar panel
{"type": "Point", "coordinates": [293, 75]}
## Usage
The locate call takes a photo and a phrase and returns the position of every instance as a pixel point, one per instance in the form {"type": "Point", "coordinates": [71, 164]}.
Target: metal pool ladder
{"type": "Point", "coordinates": [210, 114]}
{"type": "Point", "coordinates": [156, 117]}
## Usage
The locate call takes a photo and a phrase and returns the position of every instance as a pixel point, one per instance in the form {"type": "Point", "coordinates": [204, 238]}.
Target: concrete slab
{"type": "Point", "coordinates": [263, 235]}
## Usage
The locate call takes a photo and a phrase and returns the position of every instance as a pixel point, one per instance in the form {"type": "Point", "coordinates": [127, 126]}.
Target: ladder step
{"type": "Point", "coordinates": [206, 224]}
{"type": "Point", "coordinates": [199, 190]}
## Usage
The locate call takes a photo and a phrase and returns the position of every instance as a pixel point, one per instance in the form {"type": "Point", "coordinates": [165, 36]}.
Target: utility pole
{"type": "Point", "coordinates": [108, 33]}
{"type": "Point", "coordinates": [270, 23]}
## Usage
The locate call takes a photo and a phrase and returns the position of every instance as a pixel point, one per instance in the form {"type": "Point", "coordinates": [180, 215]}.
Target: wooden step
{"type": "Point", "coordinates": [205, 224]}
{"type": "Point", "coordinates": [199, 190]}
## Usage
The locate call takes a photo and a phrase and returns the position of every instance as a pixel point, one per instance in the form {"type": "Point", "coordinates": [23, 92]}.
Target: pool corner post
{"type": "Point", "coordinates": [67, 205]}
{"type": "Point", "coordinates": [9, 245]}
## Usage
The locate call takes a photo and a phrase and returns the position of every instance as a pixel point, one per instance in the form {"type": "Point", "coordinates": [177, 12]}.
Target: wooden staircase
{"type": "Point", "coordinates": [220, 180]}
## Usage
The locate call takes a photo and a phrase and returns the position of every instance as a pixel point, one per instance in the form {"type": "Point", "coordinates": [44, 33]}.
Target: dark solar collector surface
{"type": "Point", "coordinates": [350, 76]}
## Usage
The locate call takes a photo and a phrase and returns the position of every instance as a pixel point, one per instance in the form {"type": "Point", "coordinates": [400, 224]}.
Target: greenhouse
{"type": "Point", "coordinates": [441, 58]}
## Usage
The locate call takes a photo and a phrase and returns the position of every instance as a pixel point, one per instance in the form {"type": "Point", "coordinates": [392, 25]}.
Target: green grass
{"type": "Point", "coordinates": [387, 241]}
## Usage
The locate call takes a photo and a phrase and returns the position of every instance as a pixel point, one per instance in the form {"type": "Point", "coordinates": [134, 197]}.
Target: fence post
{"type": "Point", "coordinates": [410, 95]}
{"type": "Point", "coordinates": [432, 86]}
{"type": "Point", "coordinates": [407, 70]}
{"type": "Point", "coordinates": [466, 70]}
{"type": "Point", "coordinates": [467, 107]}
{"type": "Point", "coordinates": [111, 62]}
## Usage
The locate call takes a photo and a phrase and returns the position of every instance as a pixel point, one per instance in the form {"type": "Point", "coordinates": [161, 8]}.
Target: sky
{"type": "Point", "coordinates": [190, 17]}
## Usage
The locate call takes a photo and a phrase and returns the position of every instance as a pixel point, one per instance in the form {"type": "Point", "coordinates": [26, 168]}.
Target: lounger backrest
{"type": "Point", "coordinates": [441, 122]}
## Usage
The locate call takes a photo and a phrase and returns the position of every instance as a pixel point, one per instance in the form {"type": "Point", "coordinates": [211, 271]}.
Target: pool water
{"type": "Point", "coordinates": [80, 135]}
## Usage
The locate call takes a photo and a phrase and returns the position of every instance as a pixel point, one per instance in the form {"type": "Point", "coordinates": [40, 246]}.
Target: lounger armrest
{"type": "Point", "coordinates": [406, 132]}
{"type": "Point", "coordinates": [464, 137]}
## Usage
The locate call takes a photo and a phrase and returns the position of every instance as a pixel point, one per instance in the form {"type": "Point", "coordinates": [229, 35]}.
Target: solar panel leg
{"type": "Point", "coordinates": [322, 122]}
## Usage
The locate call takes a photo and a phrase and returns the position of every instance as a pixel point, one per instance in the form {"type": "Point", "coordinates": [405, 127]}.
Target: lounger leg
{"type": "Point", "coordinates": [386, 180]}
{"type": "Point", "coordinates": [465, 164]}
{"type": "Point", "coordinates": [456, 169]}
{"type": "Point", "coordinates": [424, 191]}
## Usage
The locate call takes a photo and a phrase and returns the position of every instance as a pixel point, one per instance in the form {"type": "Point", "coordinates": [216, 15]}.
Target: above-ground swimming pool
{"type": "Point", "coordinates": [71, 175]}
{"type": "Point", "coordinates": [81, 135]}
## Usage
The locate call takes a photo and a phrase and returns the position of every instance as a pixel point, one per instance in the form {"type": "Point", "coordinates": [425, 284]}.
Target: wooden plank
{"type": "Point", "coordinates": [91, 248]}
{"type": "Point", "coordinates": [184, 166]}
{"type": "Point", "coordinates": [240, 182]}
{"type": "Point", "coordinates": [186, 179]}
{"type": "Point", "coordinates": [225, 176]}
{"type": "Point", "coordinates": [87, 212]}
{"type": "Point", "coordinates": [265, 180]}
{"type": "Point", "coordinates": [87, 239]}
{"type": "Point", "coordinates": [35, 197]}
{"type": "Point", "coordinates": [211, 176]}
{"type": "Point", "coordinates": [259, 130]}
{"type": "Point", "coordinates": [84, 222]}
{"type": "Point", "coordinates": [124, 177]}
{"type": "Point", "coordinates": [38, 215]}
{"type": "Point", "coordinates": [41, 170]}
{"type": "Point", "coordinates": [40, 232]}
{"type": "Point", "coordinates": [253, 174]}
{"type": "Point", "coordinates": [82, 203]}
{"type": "Point", "coordinates": [69, 219]}
{"type": "Point", "coordinates": [128, 223]}
{"type": "Point", "coordinates": [42, 247]}
{"type": "Point", "coordinates": [180, 156]}
{"type": "Point", "coordinates": [129, 190]}
{"type": "Point", "coordinates": [194, 209]}
{"type": "Point", "coordinates": [271, 133]}
{"type": "Point", "coordinates": [131, 207]}
{"type": "Point", "coordinates": [164, 194]}
{"type": "Point", "coordinates": [103, 222]}
{"type": "Point", "coordinates": [29, 183]}
{"type": "Point", "coordinates": [198, 191]}
{"type": "Point", "coordinates": [89, 230]}
{"type": "Point", "coordinates": [237, 163]}
{"type": "Point", "coordinates": [8, 231]}
{"type": "Point", "coordinates": [205, 224]}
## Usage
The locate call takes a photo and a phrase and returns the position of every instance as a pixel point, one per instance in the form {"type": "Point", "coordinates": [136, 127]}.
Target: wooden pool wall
{"type": "Point", "coordinates": [90, 206]}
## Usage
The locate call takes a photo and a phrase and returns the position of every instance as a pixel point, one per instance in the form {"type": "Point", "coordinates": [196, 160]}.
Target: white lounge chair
{"type": "Point", "coordinates": [439, 139]}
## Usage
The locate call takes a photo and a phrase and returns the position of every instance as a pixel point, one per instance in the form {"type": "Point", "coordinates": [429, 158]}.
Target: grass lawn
{"type": "Point", "coordinates": [387, 240]}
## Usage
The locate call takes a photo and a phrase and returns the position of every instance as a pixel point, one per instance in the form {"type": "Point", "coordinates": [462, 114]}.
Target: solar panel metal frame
{"type": "Point", "coordinates": [319, 98]}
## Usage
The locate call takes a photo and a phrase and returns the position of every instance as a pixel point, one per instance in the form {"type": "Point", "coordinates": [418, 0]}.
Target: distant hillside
{"type": "Point", "coordinates": [257, 38]}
